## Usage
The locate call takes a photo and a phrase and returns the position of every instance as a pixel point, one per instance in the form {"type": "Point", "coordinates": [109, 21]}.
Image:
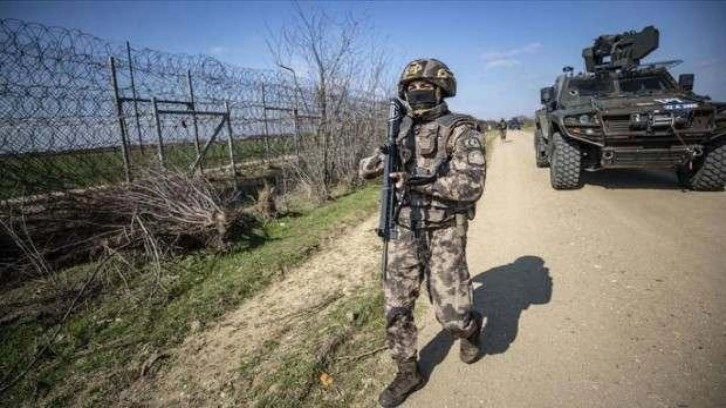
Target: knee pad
{"type": "Point", "coordinates": [396, 314]}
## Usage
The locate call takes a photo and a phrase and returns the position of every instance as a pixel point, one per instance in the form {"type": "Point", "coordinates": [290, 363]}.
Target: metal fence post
{"type": "Point", "coordinates": [231, 145]}
{"type": "Point", "coordinates": [267, 131]}
{"type": "Point", "coordinates": [133, 91]}
{"type": "Point", "coordinates": [158, 132]}
{"type": "Point", "coordinates": [194, 117]}
{"type": "Point", "coordinates": [296, 129]}
{"type": "Point", "coordinates": [120, 116]}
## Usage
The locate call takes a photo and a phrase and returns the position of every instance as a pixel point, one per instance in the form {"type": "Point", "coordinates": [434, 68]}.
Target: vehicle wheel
{"type": "Point", "coordinates": [565, 164]}
{"type": "Point", "coordinates": [540, 154]}
{"type": "Point", "coordinates": [708, 174]}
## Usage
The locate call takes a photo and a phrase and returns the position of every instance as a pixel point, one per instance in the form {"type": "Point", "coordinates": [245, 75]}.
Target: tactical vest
{"type": "Point", "coordinates": [422, 148]}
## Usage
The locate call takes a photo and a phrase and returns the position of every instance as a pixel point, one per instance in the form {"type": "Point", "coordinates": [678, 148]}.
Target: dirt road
{"type": "Point", "coordinates": [608, 296]}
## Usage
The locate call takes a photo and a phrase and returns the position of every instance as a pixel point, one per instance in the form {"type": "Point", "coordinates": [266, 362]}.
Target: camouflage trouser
{"type": "Point", "coordinates": [440, 255]}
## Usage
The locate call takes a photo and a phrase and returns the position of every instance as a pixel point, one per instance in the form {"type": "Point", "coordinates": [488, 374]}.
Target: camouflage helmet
{"type": "Point", "coordinates": [429, 70]}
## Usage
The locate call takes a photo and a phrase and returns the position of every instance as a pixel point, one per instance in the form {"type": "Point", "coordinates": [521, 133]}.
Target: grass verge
{"type": "Point", "coordinates": [37, 173]}
{"type": "Point", "coordinates": [329, 364]}
{"type": "Point", "coordinates": [107, 342]}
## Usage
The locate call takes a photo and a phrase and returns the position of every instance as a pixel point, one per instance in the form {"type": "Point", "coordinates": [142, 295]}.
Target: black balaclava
{"type": "Point", "coordinates": [422, 99]}
{"type": "Point", "coordinates": [426, 104]}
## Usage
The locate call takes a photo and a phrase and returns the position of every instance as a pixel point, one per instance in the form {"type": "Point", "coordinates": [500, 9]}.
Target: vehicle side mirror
{"type": "Point", "coordinates": [545, 95]}
{"type": "Point", "coordinates": [685, 81]}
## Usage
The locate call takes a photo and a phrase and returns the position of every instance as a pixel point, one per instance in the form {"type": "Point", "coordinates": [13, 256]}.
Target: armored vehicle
{"type": "Point", "coordinates": [622, 113]}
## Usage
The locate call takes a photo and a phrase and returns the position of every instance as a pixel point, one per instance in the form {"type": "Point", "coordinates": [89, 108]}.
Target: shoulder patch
{"type": "Point", "coordinates": [475, 158]}
{"type": "Point", "coordinates": [473, 143]}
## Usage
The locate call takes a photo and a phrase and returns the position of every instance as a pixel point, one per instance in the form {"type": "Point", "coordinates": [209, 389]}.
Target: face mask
{"type": "Point", "coordinates": [422, 99]}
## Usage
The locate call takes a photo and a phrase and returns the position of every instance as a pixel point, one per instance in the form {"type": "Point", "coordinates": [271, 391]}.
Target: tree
{"type": "Point", "coordinates": [344, 68]}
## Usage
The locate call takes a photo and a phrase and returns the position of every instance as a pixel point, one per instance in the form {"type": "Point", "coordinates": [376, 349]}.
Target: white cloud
{"type": "Point", "coordinates": [503, 62]}
{"type": "Point", "coordinates": [218, 50]}
{"type": "Point", "coordinates": [507, 58]}
{"type": "Point", "coordinates": [708, 62]}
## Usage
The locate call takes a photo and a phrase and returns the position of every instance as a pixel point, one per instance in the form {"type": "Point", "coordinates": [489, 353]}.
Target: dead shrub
{"type": "Point", "coordinates": [159, 214]}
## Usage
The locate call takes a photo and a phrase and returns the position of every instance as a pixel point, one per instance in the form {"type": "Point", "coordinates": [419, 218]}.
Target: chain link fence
{"type": "Point", "coordinates": [78, 111]}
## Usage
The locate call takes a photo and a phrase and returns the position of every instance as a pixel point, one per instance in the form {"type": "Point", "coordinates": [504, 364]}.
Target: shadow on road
{"type": "Point", "coordinates": [633, 178]}
{"type": "Point", "coordinates": [504, 293]}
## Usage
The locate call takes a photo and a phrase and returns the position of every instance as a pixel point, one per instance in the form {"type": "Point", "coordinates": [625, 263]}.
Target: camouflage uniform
{"type": "Point", "coordinates": [502, 126]}
{"type": "Point", "coordinates": [433, 220]}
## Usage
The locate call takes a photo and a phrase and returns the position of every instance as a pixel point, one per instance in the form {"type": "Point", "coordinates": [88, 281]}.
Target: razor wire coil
{"type": "Point", "coordinates": [59, 123]}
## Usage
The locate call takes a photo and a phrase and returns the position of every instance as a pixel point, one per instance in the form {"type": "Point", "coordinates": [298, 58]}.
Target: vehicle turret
{"type": "Point", "coordinates": [620, 51]}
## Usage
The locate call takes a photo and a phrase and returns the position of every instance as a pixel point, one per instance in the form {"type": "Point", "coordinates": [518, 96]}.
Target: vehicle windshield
{"type": "Point", "coordinates": [589, 86]}
{"type": "Point", "coordinates": [645, 84]}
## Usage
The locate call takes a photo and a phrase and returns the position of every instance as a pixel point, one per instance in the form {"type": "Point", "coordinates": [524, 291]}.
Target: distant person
{"type": "Point", "coordinates": [502, 126]}
{"type": "Point", "coordinates": [433, 220]}
{"type": "Point", "coordinates": [482, 127]}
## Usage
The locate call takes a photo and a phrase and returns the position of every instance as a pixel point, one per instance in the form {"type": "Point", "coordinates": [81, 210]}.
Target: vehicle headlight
{"type": "Point", "coordinates": [586, 124]}
{"type": "Point", "coordinates": [586, 119]}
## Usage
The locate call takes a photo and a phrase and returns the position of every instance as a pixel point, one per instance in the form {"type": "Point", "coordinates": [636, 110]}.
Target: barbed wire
{"type": "Point", "coordinates": [60, 128]}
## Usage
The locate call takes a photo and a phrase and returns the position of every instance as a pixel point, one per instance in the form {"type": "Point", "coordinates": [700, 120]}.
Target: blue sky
{"type": "Point", "coordinates": [501, 52]}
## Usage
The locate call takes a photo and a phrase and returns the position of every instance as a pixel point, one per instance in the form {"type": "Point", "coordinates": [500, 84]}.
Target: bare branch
{"type": "Point", "coordinates": [341, 55]}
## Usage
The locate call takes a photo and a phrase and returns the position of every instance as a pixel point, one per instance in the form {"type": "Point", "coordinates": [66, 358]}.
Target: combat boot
{"type": "Point", "coordinates": [408, 379]}
{"type": "Point", "coordinates": [469, 346]}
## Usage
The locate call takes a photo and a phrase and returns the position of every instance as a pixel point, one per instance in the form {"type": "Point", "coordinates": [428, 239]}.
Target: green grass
{"type": "Point", "coordinates": [102, 345]}
{"type": "Point", "coordinates": [295, 381]}
{"type": "Point", "coordinates": [39, 173]}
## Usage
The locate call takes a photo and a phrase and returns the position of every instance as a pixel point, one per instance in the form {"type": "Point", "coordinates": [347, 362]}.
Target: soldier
{"type": "Point", "coordinates": [432, 219]}
{"type": "Point", "coordinates": [502, 126]}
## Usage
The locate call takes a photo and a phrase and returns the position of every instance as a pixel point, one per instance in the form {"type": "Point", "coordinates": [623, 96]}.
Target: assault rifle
{"type": "Point", "coordinates": [386, 224]}
{"type": "Point", "coordinates": [387, 228]}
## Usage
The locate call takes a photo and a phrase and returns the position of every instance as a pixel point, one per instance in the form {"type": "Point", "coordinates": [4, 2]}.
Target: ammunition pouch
{"type": "Point", "coordinates": [425, 211]}
{"type": "Point", "coordinates": [420, 210]}
{"type": "Point", "coordinates": [427, 145]}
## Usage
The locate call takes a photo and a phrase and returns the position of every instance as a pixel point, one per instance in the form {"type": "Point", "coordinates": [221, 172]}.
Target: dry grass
{"type": "Point", "coordinates": [159, 214]}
